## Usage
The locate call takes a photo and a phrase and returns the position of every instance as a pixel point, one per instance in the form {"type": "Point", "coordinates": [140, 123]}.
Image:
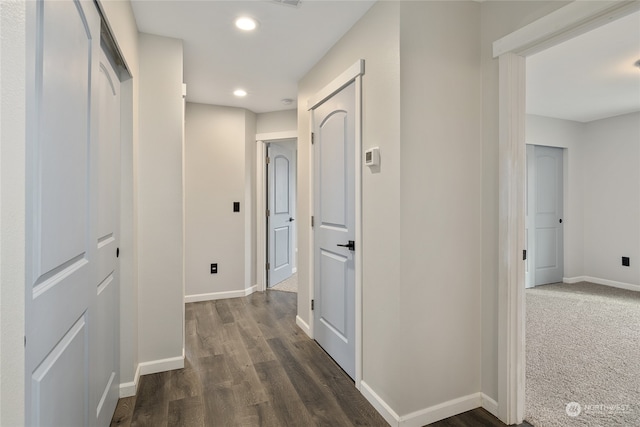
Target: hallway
{"type": "Point", "coordinates": [248, 364]}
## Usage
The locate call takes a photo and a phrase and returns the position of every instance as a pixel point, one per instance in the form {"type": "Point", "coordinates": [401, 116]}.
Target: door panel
{"type": "Point", "coordinates": [60, 228]}
{"type": "Point", "coordinates": [280, 178]}
{"type": "Point", "coordinates": [50, 406]}
{"type": "Point", "coordinates": [72, 219]}
{"type": "Point", "coordinates": [334, 207]}
{"type": "Point", "coordinates": [104, 338]}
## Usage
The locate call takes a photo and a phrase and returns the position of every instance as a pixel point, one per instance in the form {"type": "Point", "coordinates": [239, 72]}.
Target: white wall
{"type": "Point", "coordinates": [12, 210]}
{"type": "Point", "coordinates": [160, 202]}
{"type": "Point", "coordinates": [277, 121]}
{"type": "Point", "coordinates": [376, 39]}
{"type": "Point", "coordinates": [498, 18]}
{"type": "Point", "coordinates": [440, 202]}
{"type": "Point", "coordinates": [119, 15]}
{"type": "Point", "coordinates": [220, 147]}
{"type": "Point", "coordinates": [612, 198]}
{"type": "Point", "coordinates": [602, 194]}
{"type": "Point", "coordinates": [570, 136]}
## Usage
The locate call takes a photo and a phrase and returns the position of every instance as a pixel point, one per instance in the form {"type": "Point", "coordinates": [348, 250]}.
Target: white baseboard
{"type": "Point", "coordinates": [294, 270]}
{"type": "Point", "coordinates": [380, 405]}
{"type": "Point", "coordinates": [162, 365]}
{"type": "Point", "coordinates": [441, 411]}
{"type": "Point", "coordinates": [131, 388]}
{"type": "Point", "coordinates": [489, 404]}
{"type": "Point", "coordinates": [304, 326]}
{"type": "Point", "coordinates": [431, 414]}
{"type": "Point", "coordinates": [220, 295]}
{"type": "Point", "coordinates": [605, 282]}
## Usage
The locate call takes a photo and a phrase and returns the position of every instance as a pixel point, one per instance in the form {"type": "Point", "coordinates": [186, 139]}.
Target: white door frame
{"type": "Point", "coordinates": [351, 74]}
{"type": "Point", "coordinates": [567, 22]}
{"type": "Point", "coordinates": [262, 139]}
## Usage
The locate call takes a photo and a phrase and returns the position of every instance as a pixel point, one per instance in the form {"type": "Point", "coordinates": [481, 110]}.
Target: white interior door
{"type": "Point", "coordinates": [281, 176]}
{"type": "Point", "coordinates": [546, 200]}
{"type": "Point", "coordinates": [334, 229]}
{"type": "Point", "coordinates": [104, 339]}
{"type": "Point", "coordinates": [70, 244]}
{"type": "Point", "coordinates": [529, 218]}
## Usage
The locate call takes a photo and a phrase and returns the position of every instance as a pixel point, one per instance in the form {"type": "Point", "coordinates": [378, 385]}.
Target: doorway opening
{"type": "Point", "coordinates": [566, 23]}
{"type": "Point", "coordinates": [286, 226]}
{"type": "Point", "coordinates": [281, 237]}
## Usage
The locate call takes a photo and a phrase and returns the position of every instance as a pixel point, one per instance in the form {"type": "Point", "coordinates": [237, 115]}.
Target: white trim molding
{"type": "Point", "coordinates": [574, 19]}
{"type": "Point", "coordinates": [427, 415]}
{"type": "Point", "coordinates": [220, 295]}
{"type": "Point", "coordinates": [130, 388]}
{"type": "Point", "coordinates": [337, 84]}
{"type": "Point", "coordinates": [162, 365]}
{"type": "Point", "coordinates": [489, 404]}
{"type": "Point", "coordinates": [304, 326]}
{"type": "Point", "coordinates": [380, 405]}
{"type": "Point", "coordinates": [261, 196]}
{"type": "Point", "coordinates": [511, 267]}
{"type": "Point", "coordinates": [352, 74]}
{"type": "Point", "coordinates": [599, 281]}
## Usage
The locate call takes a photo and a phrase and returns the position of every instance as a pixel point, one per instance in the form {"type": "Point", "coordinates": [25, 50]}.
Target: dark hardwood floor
{"type": "Point", "coordinates": [248, 364]}
{"type": "Point", "coordinates": [478, 417]}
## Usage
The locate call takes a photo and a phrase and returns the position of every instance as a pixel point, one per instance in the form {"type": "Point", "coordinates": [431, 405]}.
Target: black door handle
{"type": "Point", "coordinates": [351, 245]}
{"type": "Point", "coordinates": [560, 220]}
{"type": "Point", "coordinates": [291, 219]}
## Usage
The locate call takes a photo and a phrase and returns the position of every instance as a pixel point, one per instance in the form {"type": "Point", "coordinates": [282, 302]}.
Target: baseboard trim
{"type": "Point", "coordinates": [304, 326]}
{"type": "Point", "coordinates": [220, 295]}
{"type": "Point", "coordinates": [605, 282]}
{"type": "Point", "coordinates": [130, 388]}
{"type": "Point", "coordinates": [489, 404]}
{"type": "Point", "coordinates": [431, 414]}
{"type": "Point", "coordinates": [441, 411]}
{"type": "Point", "coordinates": [380, 405]}
{"type": "Point", "coordinates": [162, 365]}
{"type": "Point", "coordinates": [294, 270]}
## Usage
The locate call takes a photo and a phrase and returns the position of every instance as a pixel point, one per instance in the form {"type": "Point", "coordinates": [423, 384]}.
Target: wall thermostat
{"type": "Point", "coordinates": [372, 157]}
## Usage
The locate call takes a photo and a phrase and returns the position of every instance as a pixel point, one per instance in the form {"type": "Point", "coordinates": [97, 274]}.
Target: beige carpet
{"type": "Point", "coordinates": [583, 356]}
{"type": "Point", "coordinates": [288, 285]}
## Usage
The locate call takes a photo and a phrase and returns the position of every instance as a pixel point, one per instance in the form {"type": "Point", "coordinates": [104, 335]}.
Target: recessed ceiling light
{"type": "Point", "coordinates": [287, 101]}
{"type": "Point", "coordinates": [240, 93]}
{"type": "Point", "coordinates": [246, 24]}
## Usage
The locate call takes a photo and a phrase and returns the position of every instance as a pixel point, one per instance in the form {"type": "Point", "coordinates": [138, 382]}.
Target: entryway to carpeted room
{"type": "Point", "coordinates": [582, 356]}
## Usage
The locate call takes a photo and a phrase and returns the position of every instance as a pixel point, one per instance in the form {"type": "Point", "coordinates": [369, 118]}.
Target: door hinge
{"type": "Point", "coordinates": [268, 159]}
{"type": "Point", "coordinates": [524, 255]}
{"type": "Point", "coordinates": [25, 340]}
{"type": "Point", "coordinates": [312, 221]}
{"type": "Point", "coordinates": [268, 212]}
{"type": "Point", "coordinates": [312, 305]}
{"type": "Point", "coordinates": [268, 266]}
{"type": "Point", "coordinates": [313, 138]}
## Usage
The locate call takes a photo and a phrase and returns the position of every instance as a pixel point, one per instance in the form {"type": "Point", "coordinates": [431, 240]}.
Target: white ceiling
{"type": "Point", "coordinates": [267, 63]}
{"type": "Point", "coordinates": [589, 77]}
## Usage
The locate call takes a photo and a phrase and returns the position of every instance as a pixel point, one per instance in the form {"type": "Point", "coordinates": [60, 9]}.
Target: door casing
{"type": "Point", "coordinates": [262, 139]}
{"type": "Point", "coordinates": [352, 74]}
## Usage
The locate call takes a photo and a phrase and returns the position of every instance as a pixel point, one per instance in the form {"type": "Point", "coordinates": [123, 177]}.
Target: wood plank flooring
{"type": "Point", "coordinates": [248, 364]}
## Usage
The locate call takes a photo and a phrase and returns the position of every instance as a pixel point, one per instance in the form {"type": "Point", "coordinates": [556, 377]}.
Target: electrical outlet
{"type": "Point", "coordinates": [625, 261]}
{"type": "Point", "coordinates": [214, 268]}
